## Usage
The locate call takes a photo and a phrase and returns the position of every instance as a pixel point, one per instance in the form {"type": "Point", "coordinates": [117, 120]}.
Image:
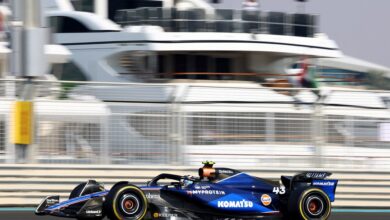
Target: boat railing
{"type": "Point", "coordinates": [223, 20]}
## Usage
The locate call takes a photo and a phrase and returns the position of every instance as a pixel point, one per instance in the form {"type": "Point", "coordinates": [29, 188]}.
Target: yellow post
{"type": "Point", "coordinates": [23, 122]}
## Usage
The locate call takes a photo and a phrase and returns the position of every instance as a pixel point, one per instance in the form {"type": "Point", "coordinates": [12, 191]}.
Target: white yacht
{"type": "Point", "coordinates": [187, 41]}
{"type": "Point", "coordinates": [193, 50]}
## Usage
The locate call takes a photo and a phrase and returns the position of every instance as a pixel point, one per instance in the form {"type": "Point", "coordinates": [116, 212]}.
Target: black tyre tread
{"type": "Point", "coordinates": [108, 203]}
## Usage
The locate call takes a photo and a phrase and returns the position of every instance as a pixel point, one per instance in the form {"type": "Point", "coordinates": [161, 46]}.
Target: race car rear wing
{"type": "Point", "coordinates": [308, 176]}
{"type": "Point", "coordinates": [305, 177]}
{"type": "Point", "coordinates": [47, 202]}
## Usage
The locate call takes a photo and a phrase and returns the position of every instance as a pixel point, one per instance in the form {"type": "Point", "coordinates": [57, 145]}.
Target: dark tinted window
{"type": "Point", "coordinates": [68, 71]}
{"type": "Point", "coordinates": [62, 24]}
{"type": "Point", "coordinates": [222, 65]}
{"type": "Point", "coordinates": [201, 64]}
{"type": "Point", "coordinates": [83, 5]}
{"type": "Point", "coordinates": [161, 63]}
{"type": "Point", "coordinates": [181, 63]}
{"type": "Point", "coordinates": [115, 5]}
{"type": "Point", "coordinates": [2, 135]}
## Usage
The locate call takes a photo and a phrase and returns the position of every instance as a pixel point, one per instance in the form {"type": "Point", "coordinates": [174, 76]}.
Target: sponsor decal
{"type": "Point", "coordinates": [235, 204]}
{"type": "Point", "coordinates": [266, 199]}
{"type": "Point", "coordinates": [152, 196]}
{"type": "Point", "coordinates": [319, 175]}
{"type": "Point", "coordinates": [225, 171]}
{"type": "Point", "coordinates": [202, 187]}
{"type": "Point", "coordinates": [206, 192]}
{"type": "Point", "coordinates": [93, 211]}
{"type": "Point", "coordinates": [279, 190]}
{"type": "Point", "coordinates": [325, 183]}
{"type": "Point", "coordinates": [164, 215]}
{"type": "Point", "coordinates": [52, 201]}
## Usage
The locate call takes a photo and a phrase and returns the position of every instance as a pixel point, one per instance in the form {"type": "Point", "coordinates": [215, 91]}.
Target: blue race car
{"type": "Point", "coordinates": [218, 193]}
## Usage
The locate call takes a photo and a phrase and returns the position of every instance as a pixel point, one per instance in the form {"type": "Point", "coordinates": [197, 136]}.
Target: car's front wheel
{"type": "Point", "coordinates": [309, 204]}
{"type": "Point", "coordinates": [126, 202]}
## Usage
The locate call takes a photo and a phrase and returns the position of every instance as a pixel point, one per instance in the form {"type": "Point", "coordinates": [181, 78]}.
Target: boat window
{"type": "Point", "coordinates": [201, 64]}
{"type": "Point", "coordinates": [63, 24]}
{"type": "Point", "coordinates": [223, 20]}
{"type": "Point", "coordinates": [115, 5]}
{"type": "Point", "coordinates": [181, 63]}
{"type": "Point", "coordinates": [68, 71]}
{"type": "Point", "coordinates": [188, 65]}
{"type": "Point", "coordinates": [296, 66]}
{"type": "Point", "coordinates": [161, 64]}
{"type": "Point", "coordinates": [2, 135]}
{"type": "Point", "coordinates": [222, 65]}
{"type": "Point", "coordinates": [149, 63]}
{"type": "Point", "coordinates": [84, 5]}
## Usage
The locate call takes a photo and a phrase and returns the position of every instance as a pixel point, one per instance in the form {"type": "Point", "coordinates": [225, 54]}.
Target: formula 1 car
{"type": "Point", "coordinates": [218, 193]}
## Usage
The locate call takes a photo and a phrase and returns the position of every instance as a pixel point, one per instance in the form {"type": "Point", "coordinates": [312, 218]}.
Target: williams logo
{"type": "Point", "coordinates": [266, 199]}
{"type": "Point", "coordinates": [235, 204]}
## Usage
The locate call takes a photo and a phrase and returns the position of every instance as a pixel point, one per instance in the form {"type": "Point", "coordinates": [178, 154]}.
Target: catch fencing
{"type": "Point", "coordinates": [182, 124]}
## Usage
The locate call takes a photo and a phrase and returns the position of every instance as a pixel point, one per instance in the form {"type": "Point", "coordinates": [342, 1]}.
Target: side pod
{"type": "Point", "coordinates": [47, 202]}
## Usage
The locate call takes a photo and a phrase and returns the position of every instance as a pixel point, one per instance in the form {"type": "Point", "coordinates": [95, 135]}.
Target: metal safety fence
{"type": "Point", "coordinates": [183, 124]}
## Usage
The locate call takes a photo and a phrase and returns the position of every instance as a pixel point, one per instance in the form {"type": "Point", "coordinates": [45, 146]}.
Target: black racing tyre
{"type": "Point", "coordinates": [126, 202]}
{"type": "Point", "coordinates": [309, 203]}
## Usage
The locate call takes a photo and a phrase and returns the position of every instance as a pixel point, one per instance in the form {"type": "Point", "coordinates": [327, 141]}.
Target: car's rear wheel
{"type": "Point", "coordinates": [309, 204]}
{"type": "Point", "coordinates": [126, 202]}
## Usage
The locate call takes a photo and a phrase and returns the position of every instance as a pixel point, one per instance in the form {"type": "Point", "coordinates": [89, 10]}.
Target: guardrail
{"type": "Point", "coordinates": [180, 124]}
{"type": "Point", "coordinates": [27, 185]}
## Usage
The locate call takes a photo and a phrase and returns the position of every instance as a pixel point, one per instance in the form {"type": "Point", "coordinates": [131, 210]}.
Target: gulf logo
{"type": "Point", "coordinates": [266, 199]}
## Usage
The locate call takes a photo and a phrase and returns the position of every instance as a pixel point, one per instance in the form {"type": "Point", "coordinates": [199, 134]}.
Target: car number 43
{"type": "Point", "coordinates": [279, 190]}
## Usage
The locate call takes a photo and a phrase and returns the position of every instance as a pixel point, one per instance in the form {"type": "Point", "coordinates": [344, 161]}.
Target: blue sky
{"type": "Point", "coordinates": [360, 27]}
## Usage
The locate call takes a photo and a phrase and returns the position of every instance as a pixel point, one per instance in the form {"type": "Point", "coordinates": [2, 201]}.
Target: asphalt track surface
{"type": "Point", "coordinates": [338, 215]}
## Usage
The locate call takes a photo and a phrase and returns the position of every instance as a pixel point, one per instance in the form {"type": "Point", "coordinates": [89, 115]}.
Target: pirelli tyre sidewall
{"type": "Point", "coordinates": [309, 203]}
{"type": "Point", "coordinates": [126, 202]}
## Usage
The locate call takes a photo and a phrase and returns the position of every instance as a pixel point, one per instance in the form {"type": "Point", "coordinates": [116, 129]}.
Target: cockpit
{"type": "Point", "coordinates": [207, 173]}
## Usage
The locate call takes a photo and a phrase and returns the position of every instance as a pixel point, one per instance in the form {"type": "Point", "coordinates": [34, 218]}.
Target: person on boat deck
{"type": "Point", "coordinates": [250, 5]}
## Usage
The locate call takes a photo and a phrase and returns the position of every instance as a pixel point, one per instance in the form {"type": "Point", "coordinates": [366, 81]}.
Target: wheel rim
{"type": "Point", "coordinates": [130, 204]}
{"type": "Point", "coordinates": [315, 205]}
